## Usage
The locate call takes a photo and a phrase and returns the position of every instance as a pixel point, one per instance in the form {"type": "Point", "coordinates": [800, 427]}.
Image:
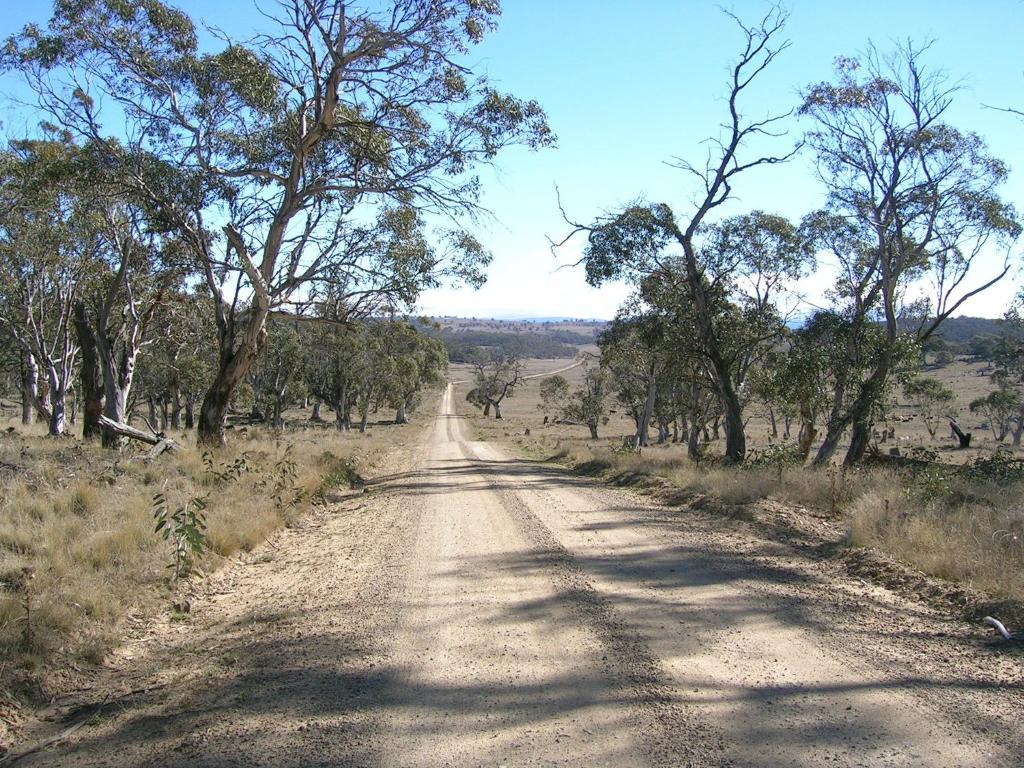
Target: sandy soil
{"type": "Point", "coordinates": [475, 609]}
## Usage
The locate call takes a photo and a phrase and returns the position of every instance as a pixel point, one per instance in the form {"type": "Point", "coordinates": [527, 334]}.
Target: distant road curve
{"type": "Point", "coordinates": [576, 364]}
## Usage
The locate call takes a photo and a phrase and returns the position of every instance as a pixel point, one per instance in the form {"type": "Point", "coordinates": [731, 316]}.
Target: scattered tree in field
{"type": "Point", "coordinates": [495, 378]}
{"type": "Point", "coordinates": [588, 403]}
{"type": "Point", "coordinates": [999, 408]}
{"type": "Point", "coordinates": [554, 394]}
{"type": "Point", "coordinates": [932, 400]}
{"type": "Point", "coordinates": [631, 350]}
{"type": "Point", "coordinates": [941, 351]}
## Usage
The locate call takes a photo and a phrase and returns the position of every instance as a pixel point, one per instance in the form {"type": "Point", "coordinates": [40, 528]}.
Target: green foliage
{"type": "Point", "coordinates": [1001, 467]}
{"type": "Point", "coordinates": [999, 408]}
{"type": "Point", "coordinates": [496, 377]}
{"type": "Point", "coordinates": [911, 200]}
{"type": "Point", "coordinates": [313, 149]}
{"type": "Point", "coordinates": [281, 484]}
{"type": "Point", "coordinates": [185, 528]}
{"type": "Point", "coordinates": [554, 393]}
{"type": "Point", "coordinates": [934, 484]}
{"type": "Point", "coordinates": [778, 455]}
{"type": "Point", "coordinates": [222, 473]}
{"type": "Point", "coordinates": [341, 472]}
{"type": "Point", "coordinates": [932, 399]}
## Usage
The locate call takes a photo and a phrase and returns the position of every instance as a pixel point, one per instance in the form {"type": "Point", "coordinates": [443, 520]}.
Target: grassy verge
{"type": "Point", "coordinates": [80, 561]}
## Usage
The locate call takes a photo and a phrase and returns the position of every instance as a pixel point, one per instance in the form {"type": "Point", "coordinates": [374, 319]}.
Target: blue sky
{"type": "Point", "coordinates": [628, 86]}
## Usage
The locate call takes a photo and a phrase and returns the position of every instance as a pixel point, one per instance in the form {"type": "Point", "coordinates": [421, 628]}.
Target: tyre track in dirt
{"type": "Point", "coordinates": [505, 668]}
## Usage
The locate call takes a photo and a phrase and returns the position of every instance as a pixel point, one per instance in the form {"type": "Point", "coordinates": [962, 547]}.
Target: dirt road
{"type": "Point", "coordinates": [477, 610]}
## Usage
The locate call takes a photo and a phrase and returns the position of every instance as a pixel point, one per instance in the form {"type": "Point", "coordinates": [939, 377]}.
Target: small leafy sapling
{"type": "Point", "coordinates": [285, 491]}
{"type": "Point", "coordinates": [185, 528]}
{"type": "Point", "coordinates": [227, 472]}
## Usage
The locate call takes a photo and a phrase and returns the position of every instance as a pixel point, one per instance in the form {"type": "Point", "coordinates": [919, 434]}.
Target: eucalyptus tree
{"type": "Point", "coordinates": [1000, 407]}
{"type": "Point", "coordinates": [747, 262]}
{"type": "Point", "coordinates": [920, 199]}
{"type": "Point", "coordinates": [331, 366]}
{"type": "Point", "coordinates": [588, 403]}
{"type": "Point", "coordinates": [272, 158]}
{"type": "Point", "coordinates": [180, 358]}
{"type": "Point", "coordinates": [932, 400]}
{"type": "Point", "coordinates": [554, 395]}
{"type": "Point", "coordinates": [137, 268]}
{"type": "Point", "coordinates": [655, 239]}
{"type": "Point", "coordinates": [631, 350]}
{"type": "Point", "coordinates": [415, 362]}
{"type": "Point", "coordinates": [496, 376]}
{"type": "Point", "coordinates": [47, 248]}
{"type": "Point", "coordinates": [278, 373]}
{"type": "Point", "coordinates": [815, 376]}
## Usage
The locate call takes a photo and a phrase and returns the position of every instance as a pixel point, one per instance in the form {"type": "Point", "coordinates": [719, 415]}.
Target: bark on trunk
{"type": "Point", "coordinates": [89, 374]}
{"type": "Point", "coordinates": [277, 420]}
{"type": "Point", "coordinates": [693, 441]}
{"type": "Point", "coordinates": [233, 368]}
{"type": "Point", "coordinates": [593, 430]}
{"type": "Point", "coordinates": [176, 406]}
{"type": "Point", "coordinates": [400, 417]}
{"type": "Point", "coordinates": [214, 411]}
{"type": "Point", "coordinates": [644, 421]}
{"type": "Point", "coordinates": [316, 411]}
{"type": "Point", "coordinates": [735, 433]}
{"type": "Point", "coordinates": [963, 438]}
{"type": "Point", "coordinates": [860, 438]}
{"type": "Point", "coordinates": [29, 388]}
{"type": "Point", "coordinates": [190, 413]}
{"type": "Point", "coordinates": [860, 412]}
{"type": "Point", "coordinates": [497, 410]}
{"type": "Point", "coordinates": [806, 438]}
{"type": "Point", "coordinates": [56, 426]}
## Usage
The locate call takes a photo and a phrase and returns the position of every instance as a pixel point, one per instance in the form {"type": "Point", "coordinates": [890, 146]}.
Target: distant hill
{"type": "Point", "coordinates": [588, 328]}
{"type": "Point", "coordinates": [961, 330]}
{"type": "Point", "coordinates": [544, 338]}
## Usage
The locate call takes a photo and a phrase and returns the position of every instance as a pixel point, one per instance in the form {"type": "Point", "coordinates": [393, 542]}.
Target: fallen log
{"type": "Point", "coordinates": [159, 442]}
